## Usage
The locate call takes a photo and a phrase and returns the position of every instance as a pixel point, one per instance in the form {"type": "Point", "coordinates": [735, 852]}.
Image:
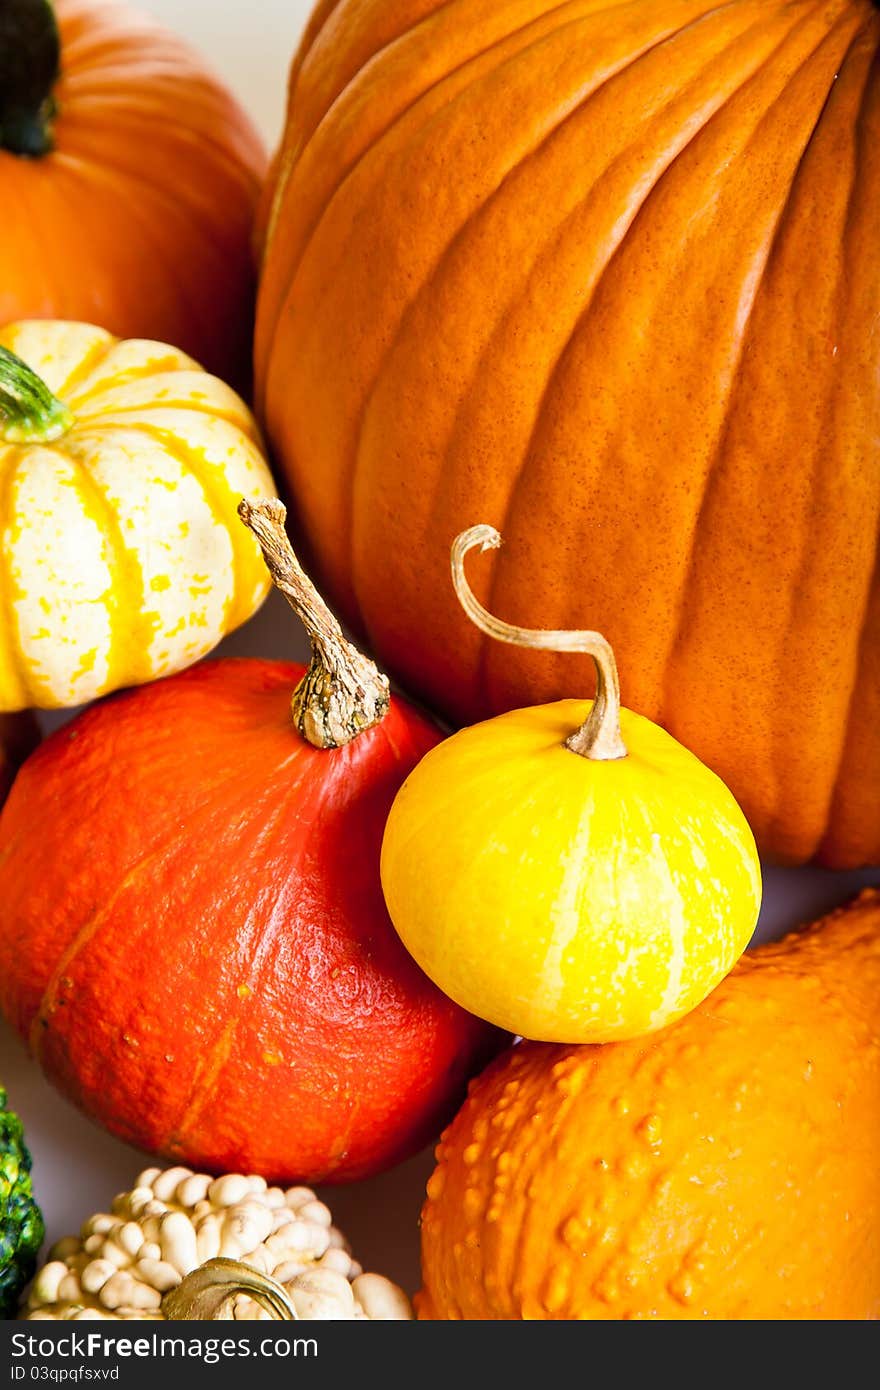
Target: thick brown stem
{"type": "Point", "coordinates": [342, 693]}
{"type": "Point", "coordinates": [206, 1294]}
{"type": "Point", "coordinates": [599, 737]}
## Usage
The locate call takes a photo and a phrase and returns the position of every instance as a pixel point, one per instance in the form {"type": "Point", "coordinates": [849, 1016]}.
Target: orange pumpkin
{"type": "Point", "coordinates": [606, 277]}
{"type": "Point", "coordinates": [128, 183]}
{"type": "Point", "coordinates": [220, 982]}
{"type": "Point", "coordinates": [723, 1168]}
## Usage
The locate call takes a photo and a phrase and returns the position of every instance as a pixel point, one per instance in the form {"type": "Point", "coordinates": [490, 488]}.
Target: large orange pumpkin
{"type": "Point", "coordinates": [128, 184]}
{"type": "Point", "coordinates": [607, 277]}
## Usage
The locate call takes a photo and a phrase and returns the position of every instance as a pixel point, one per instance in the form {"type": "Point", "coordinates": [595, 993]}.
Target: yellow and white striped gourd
{"type": "Point", "coordinates": [121, 554]}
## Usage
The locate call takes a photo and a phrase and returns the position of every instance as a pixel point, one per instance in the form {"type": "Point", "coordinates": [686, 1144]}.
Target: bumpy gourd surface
{"type": "Point", "coordinates": [725, 1168]}
{"type": "Point", "coordinates": [121, 554]}
{"type": "Point", "coordinates": [564, 898]}
{"type": "Point", "coordinates": [607, 277]}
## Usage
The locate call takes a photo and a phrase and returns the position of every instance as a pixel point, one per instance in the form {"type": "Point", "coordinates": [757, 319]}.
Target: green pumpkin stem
{"type": "Point", "coordinates": [30, 61]}
{"type": "Point", "coordinates": [599, 737]}
{"type": "Point", "coordinates": [342, 693]}
{"type": "Point", "coordinates": [29, 413]}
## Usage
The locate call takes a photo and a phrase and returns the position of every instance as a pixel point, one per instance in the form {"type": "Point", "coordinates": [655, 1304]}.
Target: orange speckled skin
{"type": "Point", "coordinates": [139, 219]}
{"type": "Point", "coordinates": [18, 735]}
{"type": "Point", "coordinates": [726, 1168]}
{"type": "Point", "coordinates": [603, 276]}
{"type": "Point", "coordinates": [195, 944]}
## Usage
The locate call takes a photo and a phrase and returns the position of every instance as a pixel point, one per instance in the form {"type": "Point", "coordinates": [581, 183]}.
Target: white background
{"type": "Point", "coordinates": [77, 1168]}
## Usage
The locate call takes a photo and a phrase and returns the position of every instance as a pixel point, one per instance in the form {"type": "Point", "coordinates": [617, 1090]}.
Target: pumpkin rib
{"type": "Point", "coordinates": [12, 661]}
{"type": "Point", "coordinates": [176, 288]}
{"type": "Point", "coordinates": [206, 1085]}
{"type": "Point", "coordinates": [94, 61]}
{"type": "Point", "coordinates": [779, 754]}
{"type": "Point", "coordinates": [844, 770]}
{"type": "Point", "coordinates": [483, 674]}
{"type": "Point", "coordinates": [493, 563]}
{"type": "Point", "coordinates": [285, 167]}
{"type": "Point", "coordinates": [512, 306]}
{"type": "Point", "coordinates": [282, 299]}
{"type": "Point", "coordinates": [34, 230]}
{"type": "Point", "coordinates": [222, 501]}
{"type": "Point", "coordinates": [351, 466]}
{"type": "Point", "coordinates": [124, 567]}
{"type": "Point", "coordinates": [139, 123]}
{"type": "Point", "coordinates": [197, 311]}
{"type": "Point", "coordinates": [679, 633]}
{"type": "Point", "coordinates": [107, 375]}
{"type": "Point", "coordinates": [777, 821]}
{"type": "Point", "coordinates": [110, 419]}
{"type": "Point", "coordinates": [92, 362]}
{"type": "Point", "coordinates": [268, 334]}
{"type": "Point", "coordinates": [85, 400]}
{"type": "Point", "coordinates": [36, 1028]}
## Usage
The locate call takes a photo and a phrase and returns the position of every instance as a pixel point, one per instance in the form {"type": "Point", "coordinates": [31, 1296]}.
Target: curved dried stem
{"type": "Point", "coordinates": [599, 737]}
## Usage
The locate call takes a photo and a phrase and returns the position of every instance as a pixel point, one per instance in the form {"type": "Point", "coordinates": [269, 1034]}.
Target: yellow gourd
{"type": "Point", "coordinates": [569, 871]}
{"type": "Point", "coordinates": [121, 554]}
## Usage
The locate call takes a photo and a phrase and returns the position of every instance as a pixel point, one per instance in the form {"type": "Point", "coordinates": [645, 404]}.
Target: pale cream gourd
{"type": "Point", "coordinates": [148, 1248]}
{"type": "Point", "coordinates": [121, 554]}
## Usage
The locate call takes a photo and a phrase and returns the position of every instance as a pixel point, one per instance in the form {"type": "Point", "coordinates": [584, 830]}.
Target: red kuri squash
{"type": "Point", "coordinates": [606, 276]}
{"type": "Point", "coordinates": [195, 944]}
{"type": "Point", "coordinates": [128, 182]}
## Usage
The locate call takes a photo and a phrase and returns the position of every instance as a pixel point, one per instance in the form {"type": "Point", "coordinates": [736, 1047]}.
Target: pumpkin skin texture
{"type": "Point", "coordinates": [138, 212]}
{"type": "Point", "coordinates": [121, 554]}
{"type": "Point", "coordinates": [725, 1168]}
{"type": "Point", "coordinates": [566, 899]}
{"type": "Point", "coordinates": [220, 983]}
{"type": "Point", "coordinates": [583, 259]}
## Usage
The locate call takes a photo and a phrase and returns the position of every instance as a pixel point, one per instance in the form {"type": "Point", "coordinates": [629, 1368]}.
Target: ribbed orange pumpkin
{"type": "Point", "coordinates": [607, 277]}
{"type": "Point", "coordinates": [128, 185]}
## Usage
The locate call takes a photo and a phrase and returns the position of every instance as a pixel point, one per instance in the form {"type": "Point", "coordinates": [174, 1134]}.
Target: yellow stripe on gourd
{"type": "Point", "coordinates": [14, 692]}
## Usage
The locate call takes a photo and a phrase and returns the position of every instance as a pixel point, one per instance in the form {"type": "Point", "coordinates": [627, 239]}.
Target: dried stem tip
{"type": "Point", "coordinates": [599, 737]}
{"type": "Point", "coordinates": [342, 693]}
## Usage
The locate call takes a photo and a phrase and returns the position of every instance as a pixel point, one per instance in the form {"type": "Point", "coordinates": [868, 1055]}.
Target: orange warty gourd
{"type": "Point", "coordinates": [195, 945]}
{"type": "Point", "coordinates": [606, 277]}
{"type": "Point", "coordinates": [725, 1168]}
{"type": "Point", "coordinates": [128, 182]}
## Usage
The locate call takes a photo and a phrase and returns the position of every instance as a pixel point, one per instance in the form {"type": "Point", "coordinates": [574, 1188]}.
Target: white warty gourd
{"type": "Point", "coordinates": [173, 1221]}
